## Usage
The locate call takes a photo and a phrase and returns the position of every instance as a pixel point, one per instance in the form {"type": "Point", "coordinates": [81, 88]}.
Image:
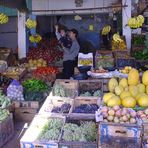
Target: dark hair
{"type": "Point", "coordinates": [75, 32]}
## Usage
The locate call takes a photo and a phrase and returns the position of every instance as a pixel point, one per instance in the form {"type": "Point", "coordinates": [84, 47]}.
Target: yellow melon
{"type": "Point", "coordinates": [113, 101]}
{"type": "Point", "coordinates": [129, 102]}
{"type": "Point", "coordinates": [126, 88]}
{"type": "Point", "coordinates": [133, 77]}
{"type": "Point", "coordinates": [133, 90]}
{"type": "Point", "coordinates": [107, 96]}
{"type": "Point", "coordinates": [118, 90]}
{"type": "Point", "coordinates": [112, 84]}
{"type": "Point", "coordinates": [143, 101]}
{"type": "Point", "coordinates": [147, 89]}
{"type": "Point", "coordinates": [141, 88]}
{"type": "Point", "coordinates": [125, 94]}
{"type": "Point", "coordinates": [139, 95]}
{"type": "Point", "coordinates": [145, 78]}
{"type": "Point", "coordinates": [123, 82]}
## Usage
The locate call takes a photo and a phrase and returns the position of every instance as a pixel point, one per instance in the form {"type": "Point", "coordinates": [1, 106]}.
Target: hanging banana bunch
{"type": "Point", "coordinates": [117, 38]}
{"type": "Point", "coordinates": [106, 30]}
{"type": "Point", "coordinates": [35, 38]}
{"type": "Point", "coordinates": [31, 23]}
{"type": "Point", "coordinates": [136, 22]}
{"type": "Point", "coordinates": [3, 18]}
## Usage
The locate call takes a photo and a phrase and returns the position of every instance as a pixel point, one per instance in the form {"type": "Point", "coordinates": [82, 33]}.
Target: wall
{"type": "Point", "coordinates": [67, 4]}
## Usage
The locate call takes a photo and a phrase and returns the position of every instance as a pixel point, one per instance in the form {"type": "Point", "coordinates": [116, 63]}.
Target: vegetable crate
{"type": "Point", "coordinates": [90, 86]}
{"type": "Point", "coordinates": [6, 130]}
{"type": "Point", "coordinates": [119, 135]}
{"type": "Point", "coordinates": [54, 103]}
{"type": "Point", "coordinates": [122, 62]}
{"type": "Point", "coordinates": [13, 73]}
{"type": "Point", "coordinates": [30, 138]}
{"type": "Point", "coordinates": [26, 110]}
{"type": "Point", "coordinates": [76, 144]}
{"type": "Point", "coordinates": [83, 101]}
{"type": "Point", "coordinates": [145, 127]}
{"type": "Point", "coordinates": [120, 53]}
{"type": "Point", "coordinates": [65, 88]}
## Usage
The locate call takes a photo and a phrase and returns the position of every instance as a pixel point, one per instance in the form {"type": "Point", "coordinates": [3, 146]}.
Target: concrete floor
{"type": "Point", "coordinates": [14, 142]}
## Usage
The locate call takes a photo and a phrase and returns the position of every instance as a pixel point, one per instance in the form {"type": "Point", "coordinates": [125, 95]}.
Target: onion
{"type": "Point", "coordinates": [110, 118]}
{"type": "Point", "coordinates": [125, 118]}
{"type": "Point", "coordinates": [146, 111]}
{"type": "Point", "coordinates": [133, 120]}
{"type": "Point", "coordinates": [116, 120]}
{"type": "Point", "coordinates": [139, 113]}
{"type": "Point", "coordinates": [143, 116]}
{"type": "Point", "coordinates": [104, 109]}
{"type": "Point", "coordinates": [133, 114]}
{"type": "Point", "coordinates": [111, 112]}
{"type": "Point", "coordinates": [118, 113]}
{"type": "Point", "coordinates": [105, 114]}
{"type": "Point", "coordinates": [116, 107]}
{"type": "Point", "coordinates": [124, 112]}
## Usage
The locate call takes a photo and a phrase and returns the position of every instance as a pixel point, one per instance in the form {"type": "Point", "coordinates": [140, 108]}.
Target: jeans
{"type": "Point", "coordinates": [68, 69]}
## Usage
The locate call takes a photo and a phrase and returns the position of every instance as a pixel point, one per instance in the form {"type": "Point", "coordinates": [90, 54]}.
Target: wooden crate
{"type": "Point", "coordinates": [122, 62]}
{"type": "Point", "coordinates": [121, 53]}
{"type": "Point", "coordinates": [119, 135]}
{"type": "Point", "coordinates": [55, 102]}
{"type": "Point", "coordinates": [70, 86]}
{"type": "Point", "coordinates": [76, 144]}
{"type": "Point", "coordinates": [90, 85]}
{"type": "Point", "coordinates": [99, 61]}
{"type": "Point", "coordinates": [78, 102]}
{"type": "Point", "coordinates": [6, 130]}
{"type": "Point", "coordinates": [15, 75]}
{"type": "Point", "coordinates": [29, 140]}
{"type": "Point", "coordinates": [27, 104]}
{"type": "Point", "coordinates": [25, 114]}
{"type": "Point", "coordinates": [145, 132]}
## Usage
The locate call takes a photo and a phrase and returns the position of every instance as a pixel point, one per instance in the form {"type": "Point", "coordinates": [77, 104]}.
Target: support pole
{"type": "Point", "coordinates": [21, 35]}
{"type": "Point", "coordinates": [126, 14]}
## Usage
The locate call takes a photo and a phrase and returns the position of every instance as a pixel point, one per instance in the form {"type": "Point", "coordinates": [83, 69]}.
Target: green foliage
{"type": "Point", "coordinates": [3, 114]}
{"type": "Point", "coordinates": [145, 51]}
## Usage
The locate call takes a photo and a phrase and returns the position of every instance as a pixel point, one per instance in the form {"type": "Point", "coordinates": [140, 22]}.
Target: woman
{"type": "Point", "coordinates": [70, 55]}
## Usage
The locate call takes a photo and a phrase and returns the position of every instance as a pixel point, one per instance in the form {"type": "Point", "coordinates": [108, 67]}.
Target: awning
{"type": "Point", "coordinates": [17, 4]}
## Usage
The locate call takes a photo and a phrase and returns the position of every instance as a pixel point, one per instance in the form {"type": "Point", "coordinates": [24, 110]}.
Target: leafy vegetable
{"type": "Point", "coordinates": [87, 131]}
{"type": "Point", "coordinates": [35, 85]}
{"type": "Point", "coordinates": [51, 130]}
{"type": "Point", "coordinates": [3, 114]}
{"type": "Point", "coordinates": [4, 101]}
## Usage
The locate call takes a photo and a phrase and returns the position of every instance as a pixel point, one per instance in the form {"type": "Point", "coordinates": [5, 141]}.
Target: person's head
{"type": "Point", "coordinates": [73, 34]}
{"type": "Point", "coordinates": [63, 32]}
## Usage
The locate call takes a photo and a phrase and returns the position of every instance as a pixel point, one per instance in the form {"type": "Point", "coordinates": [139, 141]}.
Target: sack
{"type": "Point", "coordinates": [15, 91]}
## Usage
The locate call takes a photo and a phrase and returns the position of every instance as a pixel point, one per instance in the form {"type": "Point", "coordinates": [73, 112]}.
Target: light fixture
{"type": "Point", "coordinates": [77, 17]}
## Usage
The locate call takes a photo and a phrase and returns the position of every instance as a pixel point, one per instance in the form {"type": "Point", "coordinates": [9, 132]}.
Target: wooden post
{"type": "Point", "coordinates": [21, 35]}
{"type": "Point", "coordinates": [126, 14]}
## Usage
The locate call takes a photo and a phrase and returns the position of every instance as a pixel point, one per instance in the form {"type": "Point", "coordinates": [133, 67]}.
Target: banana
{"type": "Point", "coordinates": [106, 30]}
{"type": "Point", "coordinates": [3, 18]}
{"type": "Point", "coordinates": [35, 39]}
{"type": "Point", "coordinates": [116, 38]}
{"type": "Point", "coordinates": [31, 23]}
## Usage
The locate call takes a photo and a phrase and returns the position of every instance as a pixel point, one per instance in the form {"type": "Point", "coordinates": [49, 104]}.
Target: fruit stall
{"type": "Point", "coordinates": [103, 105]}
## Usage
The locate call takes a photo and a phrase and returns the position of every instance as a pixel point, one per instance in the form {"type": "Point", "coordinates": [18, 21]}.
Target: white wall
{"type": "Point", "coordinates": [68, 4]}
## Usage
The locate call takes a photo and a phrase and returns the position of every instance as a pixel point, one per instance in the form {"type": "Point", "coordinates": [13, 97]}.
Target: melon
{"type": "Point", "coordinates": [133, 77]}
{"type": "Point", "coordinates": [139, 95]}
{"type": "Point", "coordinates": [125, 94]}
{"type": "Point", "coordinates": [145, 78]}
{"type": "Point", "coordinates": [143, 101]}
{"type": "Point", "coordinates": [114, 101]}
{"type": "Point", "coordinates": [133, 90]}
{"type": "Point", "coordinates": [126, 88]}
{"type": "Point", "coordinates": [107, 96]}
{"type": "Point", "coordinates": [129, 102]}
{"type": "Point", "coordinates": [146, 90]}
{"type": "Point", "coordinates": [141, 88]}
{"type": "Point", "coordinates": [112, 84]}
{"type": "Point", "coordinates": [123, 82]}
{"type": "Point", "coordinates": [118, 90]}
